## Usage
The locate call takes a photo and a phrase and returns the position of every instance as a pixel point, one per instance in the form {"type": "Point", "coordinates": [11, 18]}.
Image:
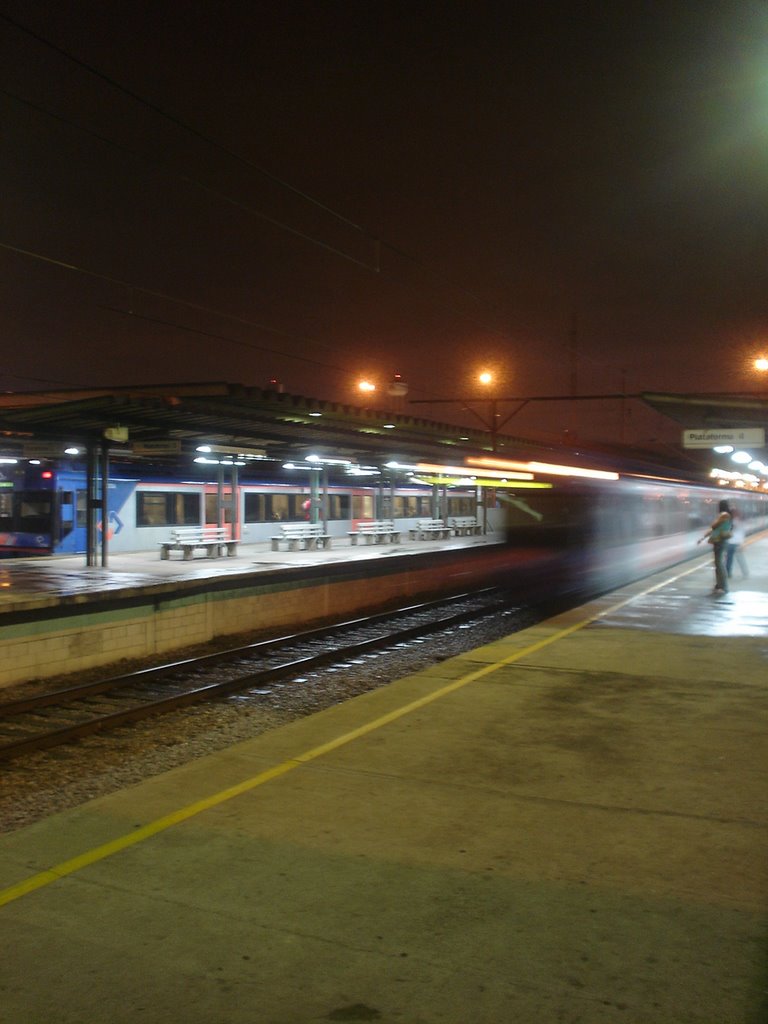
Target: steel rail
{"type": "Point", "coordinates": [211, 691]}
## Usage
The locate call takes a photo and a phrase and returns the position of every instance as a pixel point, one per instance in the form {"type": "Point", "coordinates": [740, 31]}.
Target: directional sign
{"type": "Point", "coordinates": [743, 437]}
{"type": "Point", "coordinates": [166, 447]}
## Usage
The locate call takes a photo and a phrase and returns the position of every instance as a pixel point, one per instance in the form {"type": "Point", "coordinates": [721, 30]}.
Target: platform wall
{"type": "Point", "coordinates": [155, 621]}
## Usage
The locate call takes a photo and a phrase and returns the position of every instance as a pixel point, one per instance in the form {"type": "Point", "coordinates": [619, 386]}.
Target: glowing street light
{"type": "Point", "coordinates": [487, 380]}
{"type": "Point", "coordinates": [761, 363]}
{"type": "Point", "coordinates": [366, 386]}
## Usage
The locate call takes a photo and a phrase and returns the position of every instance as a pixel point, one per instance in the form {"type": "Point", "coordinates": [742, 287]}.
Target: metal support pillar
{"type": "Point", "coordinates": [91, 507]}
{"type": "Point", "coordinates": [104, 503]}
{"type": "Point", "coordinates": [235, 505]}
{"type": "Point", "coordinates": [219, 498]}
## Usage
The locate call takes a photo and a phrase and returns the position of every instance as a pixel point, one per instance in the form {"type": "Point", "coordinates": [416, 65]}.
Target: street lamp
{"type": "Point", "coordinates": [761, 363]}
{"type": "Point", "coordinates": [486, 379]}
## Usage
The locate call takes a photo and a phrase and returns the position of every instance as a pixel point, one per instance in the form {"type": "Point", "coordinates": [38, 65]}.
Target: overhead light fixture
{"type": "Point", "coordinates": [329, 462]}
{"type": "Point", "coordinates": [741, 457]}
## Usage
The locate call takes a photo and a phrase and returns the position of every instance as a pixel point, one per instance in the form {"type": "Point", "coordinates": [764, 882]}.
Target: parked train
{"type": "Point", "coordinates": [43, 509]}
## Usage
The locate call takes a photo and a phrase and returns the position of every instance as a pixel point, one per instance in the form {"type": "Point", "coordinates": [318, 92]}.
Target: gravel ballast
{"type": "Point", "coordinates": [45, 783]}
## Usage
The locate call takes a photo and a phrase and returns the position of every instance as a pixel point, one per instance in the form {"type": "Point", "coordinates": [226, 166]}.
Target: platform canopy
{"type": "Point", "coordinates": [149, 422]}
{"type": "Point", "coordinates": [706, 411]}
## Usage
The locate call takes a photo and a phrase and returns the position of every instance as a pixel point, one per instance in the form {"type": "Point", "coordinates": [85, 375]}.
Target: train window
{"type": "Point", "coordinates": [34, 512]}
{"type": "Point", "coordinates": [338, 506]}
{"type": "Point", "coordinates": [212, 507]}
{"type": "Point", "coordinates": [461, 505]}
{"type": "Point", "coordinates": [6, 508]}
{"type": "Point", "coordinates": [278, 507]}
{"type": "Point", "coordinates": [254, 508]}
{"type": "Point", "coordinates": [167, 508]}
{"type": "Point", "coordinates": [188, 509]}
{"type": "Point", "coordinates": [362, 506]}
{"type": "Point", "coordinates": [408, 507]}
{"type": "Point", "coordinates": [151, 509]}
{"type": "Point", "coordinates": [82, 509]}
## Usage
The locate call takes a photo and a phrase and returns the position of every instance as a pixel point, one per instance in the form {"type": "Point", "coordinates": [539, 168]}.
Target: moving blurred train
{"type": "Point", "coordinates": [578, 533]}
{"type": "Point", "coordinates": [598, 535]}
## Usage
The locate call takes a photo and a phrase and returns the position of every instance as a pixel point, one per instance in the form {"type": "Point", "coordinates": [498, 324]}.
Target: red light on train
{"type": "Point", "coordinates": [46, 474]}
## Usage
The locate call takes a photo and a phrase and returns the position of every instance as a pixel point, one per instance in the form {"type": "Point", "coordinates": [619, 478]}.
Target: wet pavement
{"type": "Point", "coordinates": [68, 575]}
{"type": "Point", "coordinates": [687, 604]}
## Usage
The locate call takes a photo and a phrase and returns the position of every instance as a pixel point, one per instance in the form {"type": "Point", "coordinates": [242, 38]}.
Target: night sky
{"type": "Point", "coordinates": [574, 194]}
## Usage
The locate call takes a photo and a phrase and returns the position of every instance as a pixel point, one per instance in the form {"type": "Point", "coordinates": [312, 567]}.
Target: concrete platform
{"type": "Point", "coordinates": [569, 825]}
{"type": "Point", "coordinates": [59, 615]}
{"type": "Point", "coordinates": [24, 581]}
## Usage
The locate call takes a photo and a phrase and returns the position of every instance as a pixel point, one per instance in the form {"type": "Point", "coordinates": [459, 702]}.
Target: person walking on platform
{"type": "Point", "coordinates": [733, 546]}
{"type": "Point", "coordinates": [717, 535]}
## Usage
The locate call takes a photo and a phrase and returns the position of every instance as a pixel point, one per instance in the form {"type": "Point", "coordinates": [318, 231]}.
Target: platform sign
{"type": "Point", "coordinates": [166, 447]}
{"type": "Point", "coordinates": [742, 437]}
{"type": "Point", "coordinates": [41, 450]}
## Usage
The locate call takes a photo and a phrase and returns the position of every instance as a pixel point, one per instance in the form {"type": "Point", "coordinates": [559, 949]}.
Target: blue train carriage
{"type": "Point", "coordinates": [27, 509]}
{"type": "Point", "coordinates": [43, 509]}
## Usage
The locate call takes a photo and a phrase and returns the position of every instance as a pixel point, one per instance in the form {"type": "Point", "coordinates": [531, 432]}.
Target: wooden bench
{"type": "Point", "coordinates": [375, 532]}
{"type": "Point", "coordinates": [188, 539]}
{"type": "Point", "coordinates": [464, 526]}
{"type": "Point", "coordinates": [429, 528]}
{"type": "Point", "coordinates": [304, 536]}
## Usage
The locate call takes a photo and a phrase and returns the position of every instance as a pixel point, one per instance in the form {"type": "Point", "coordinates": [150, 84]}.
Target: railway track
{"type": "Point", "coordinates": [63, 716]}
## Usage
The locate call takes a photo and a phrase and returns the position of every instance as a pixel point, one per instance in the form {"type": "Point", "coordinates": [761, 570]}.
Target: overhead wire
{"type": "Point", "coordinates": [238, 203]}
{"type": "Point", "coordinates": [378, 242]}
{"type": "Point", "coordinates": [183, 124]}
{"type": "Point", "coordinates": [153, 293]}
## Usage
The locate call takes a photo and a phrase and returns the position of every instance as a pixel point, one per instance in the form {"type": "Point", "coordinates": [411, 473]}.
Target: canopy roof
{"type": "Point", "coordinates": [705, 411]}
{"type": "Point", "coordinates": [220, 414]}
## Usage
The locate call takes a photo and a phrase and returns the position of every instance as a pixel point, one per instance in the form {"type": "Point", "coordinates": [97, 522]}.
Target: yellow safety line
{"type": "Point", "coordinates": [153, 828]}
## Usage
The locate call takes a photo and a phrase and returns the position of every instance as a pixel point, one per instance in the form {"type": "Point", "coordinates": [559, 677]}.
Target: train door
{"type": "Point", "coordinates": [70, 514]}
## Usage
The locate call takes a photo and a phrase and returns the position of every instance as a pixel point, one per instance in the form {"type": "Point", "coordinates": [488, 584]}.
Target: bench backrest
{"type": "Point", "coordinates": [423, 524]}
{"type": "Point", "coordinates": [190, 534]}
{"type": "Point", "coordinates": [462, 521]}
{"type": "Point", "coordinates": [302, 529]}
{"type": "Point", "coordinates": [376, 526]}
